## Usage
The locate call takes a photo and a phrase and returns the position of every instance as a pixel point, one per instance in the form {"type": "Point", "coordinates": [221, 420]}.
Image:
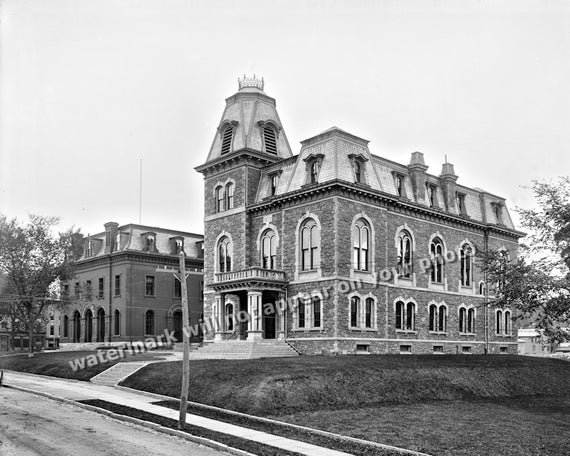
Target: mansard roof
{"type": "Point", "coordinates": [247, 112]}
{"type": "Point", "coordinates": [133, 239]}
{"type": "Point", "coordinates": [337, 149]}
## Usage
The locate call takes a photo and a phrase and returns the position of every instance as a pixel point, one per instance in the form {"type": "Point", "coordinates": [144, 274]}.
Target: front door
{"type": "Point", "coordinates": [269, 319]}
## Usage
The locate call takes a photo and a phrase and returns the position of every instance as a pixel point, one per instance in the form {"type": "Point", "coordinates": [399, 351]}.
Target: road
{"type": "Point", "coordinates": [31, 425]}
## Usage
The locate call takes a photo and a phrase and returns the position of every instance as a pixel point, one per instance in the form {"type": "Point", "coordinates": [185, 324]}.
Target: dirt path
{"type": "Point", "coordinates": [33, 425]}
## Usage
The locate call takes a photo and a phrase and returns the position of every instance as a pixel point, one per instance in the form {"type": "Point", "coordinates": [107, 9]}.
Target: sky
{"type": "Point", "coordinates": [90, 88]}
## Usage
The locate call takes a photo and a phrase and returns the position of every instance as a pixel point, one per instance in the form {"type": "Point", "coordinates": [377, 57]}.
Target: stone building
{"type": "Point", "coordinates": [118, 295]}
{"type": "Point", "coordinates": [339, 250]}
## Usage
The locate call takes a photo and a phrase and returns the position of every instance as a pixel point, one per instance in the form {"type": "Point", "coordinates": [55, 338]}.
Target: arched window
{"type": "Point", "coordinates": [300, 313]}
{"type": "Point", "coordinates": [508, 322]}
{"type": "Point", "coordinates": [149, 322]}
{"type": "Point", "coordinates": [462, 320]}
{"type": "Point", "coordinates": [354, 311]}
{"type": "Point", "coordinates": [269, 138]}
{"type": "Point", "coordinates": [268, 250]}
{"type": "Point", "coordinates": [225, 253]}
{"type": "Point", "coordinates": [442, 319]}
{"type": "Point", "coordinates": [482, 288]}
{"type": "Point", "coordinates": [369, 313]}
{"type": "Point", "coordinates": [436, 254]}
{"type": "Point", "coordinates": [357, 172]}
{"type": "Point", "coordinates": [499, 322]}
{"type": "Point", "coordinates": [410, 316]}
{"type": "Point", "coordinates": [471, 321]}
{"type": "Point", "coordinates": [433, 317]}
{"type": "Point", "coordinates": [229, 316]}
{"type": "Point", "coordinates": [227, 137]}
{"type": "Point", "coordinates": [360, 243]}
{"type": "Point", "coordinates": [65, 326]}
{"type": "Point", "coordinates": [404, 254]}
{"type": "Point", "coordinates": [465, 257]}
{"type": "Point", "coordinates": [229, 196]}
{"type": "Point", "coordinates": [317, 312]}
{"type": "Point", "coordinates": [76, 326]}
{"type": "Point", "coordinates": [315, 167]}
{"type": "Point", "coordinates": [405, 316]}
{"type": "Point", "coordinates": [117, 322]}
{"type": "Point", "coordinates": [220, 198]}
{"type": "Point", "coordinates": [400, 311]}
{"type": "Point", "coordinates": [310, 246]}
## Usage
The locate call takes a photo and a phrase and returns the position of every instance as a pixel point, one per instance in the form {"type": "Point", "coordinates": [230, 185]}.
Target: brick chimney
{"type": "Point", "coordinates": [417, 171]}
{"type": "Point", "coordinates": [447, 180]}
{"type": "Point", "coordinates": [110, 231]}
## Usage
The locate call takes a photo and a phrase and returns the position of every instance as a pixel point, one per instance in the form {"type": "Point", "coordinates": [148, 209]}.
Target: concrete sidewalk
{"type": "Point", "coordinates": [75, 390]}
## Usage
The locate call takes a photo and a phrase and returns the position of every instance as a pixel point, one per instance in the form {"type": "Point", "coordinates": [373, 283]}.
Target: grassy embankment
{"type": "Point", "coordinates": [445, 405]}
{"type": "Point", "coordinates": [56, 364]}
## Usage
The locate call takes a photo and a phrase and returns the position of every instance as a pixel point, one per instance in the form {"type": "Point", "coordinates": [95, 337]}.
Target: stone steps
{"type": "Point", "coordinates": [116, 373]}
{"type": "Point", "coordinates": [243, 350]}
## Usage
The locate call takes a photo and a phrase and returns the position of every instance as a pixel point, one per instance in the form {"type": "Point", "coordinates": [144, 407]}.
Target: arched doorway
{"type": "Point", "coordinates": [101, 325]}
{"type": "Point", "coordinates": [88, 325]}
{"type": "Point", "coordinates": [76, 327]}
{"type": "Point", "coordinates": [177, 322]}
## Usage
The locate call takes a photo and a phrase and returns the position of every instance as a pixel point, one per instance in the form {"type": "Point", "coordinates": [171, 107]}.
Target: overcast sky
{"type": "Point", "coordinates": [90, 87]}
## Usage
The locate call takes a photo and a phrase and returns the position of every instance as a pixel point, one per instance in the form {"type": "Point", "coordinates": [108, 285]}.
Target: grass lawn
{"type": "Point", "coordinates": [442, 405]}
{"type": "Point", "coordinates": [56, 364]}
{"type": "Point", "coordinates": [507, 427]}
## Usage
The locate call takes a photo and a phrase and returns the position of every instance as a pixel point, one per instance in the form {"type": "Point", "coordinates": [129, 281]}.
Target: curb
{"type": "Point", "coordinates": [382, 446]}
{"type": "Point", "coordinates": [147, 424]}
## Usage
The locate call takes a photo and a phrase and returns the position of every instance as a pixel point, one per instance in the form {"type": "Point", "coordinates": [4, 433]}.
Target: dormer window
{"type": "Point", "coordinates": [498, 211]}
{"type": "Point", "coordinates": [118, 241]}
{"type": "Point", "coordinates": [178, 245]}
{"type": "Point", "coordinates": [90, 248]}
{"type": "Point", "coordinates": [149, 242]}
{"type": "Point", "coordinates": [399, 180]}
{"type": "Point", "coordinates": [270, 140]}
{"type": "Point", "coordinates": [227, 137]}
{"type": "Point", "coordinates": [315, 168]}
{"type": "Point", "coordinates": [357, 172]}
{"type": "Point", "coordinates": [460, 198]}
{"type": "Point", "coordinates": [358, 167]}
{"type": "Point", "coordinates": [431, 195]}
{"type": "Point", "coordinates": [273, 184]}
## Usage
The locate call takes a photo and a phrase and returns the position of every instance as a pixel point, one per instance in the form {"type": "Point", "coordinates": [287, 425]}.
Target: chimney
{"type": "Point", "coordinates": [417, 170]}
{"type": "Point", "coordinates": [447, 180]}
{"type": "Point", "coordinates": [110, 231]}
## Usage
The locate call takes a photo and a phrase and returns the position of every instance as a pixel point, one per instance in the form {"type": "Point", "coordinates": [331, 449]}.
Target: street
{"type": "Point", "coordinates": [33, 425]}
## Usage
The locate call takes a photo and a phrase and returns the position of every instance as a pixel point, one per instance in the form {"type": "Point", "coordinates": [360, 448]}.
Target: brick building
{"type": "Point", "coordinates": [339, 250]}
{"type": "Point", "coordinates": [117, 293]}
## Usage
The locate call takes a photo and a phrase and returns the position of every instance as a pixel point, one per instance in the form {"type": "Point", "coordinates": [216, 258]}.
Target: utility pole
{"type": "Point", "coordinates": [182, 276]}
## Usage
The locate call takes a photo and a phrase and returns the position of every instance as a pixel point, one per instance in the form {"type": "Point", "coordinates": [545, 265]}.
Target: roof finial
{"type": "Point", "coordinates": [250, 82]}
{"type": "Point", "coordinates": [446, 159]}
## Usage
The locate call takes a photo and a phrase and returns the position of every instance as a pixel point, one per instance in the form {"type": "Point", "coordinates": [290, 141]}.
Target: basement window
{"type": "Point", "coordinates": [466, 349]}
{"type": "Point", "coordinates": [504, 349]}
{"type": "Point", "coordinates": [405, 349]}
{"type": "Point", "coordinates": [438, 348]}
{"type": "Point", "coordinates": [362, 349]}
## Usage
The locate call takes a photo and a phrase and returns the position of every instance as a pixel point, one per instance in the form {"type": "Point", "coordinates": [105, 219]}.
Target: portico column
{"type": "Point", "coordinates": [83, 334]}
{"type": "Point", "coordinates": [254, 331]}
{"type": "Point", "coordinates": [219, 317]}
{"type": "Point", "coordinates": [281, 309]}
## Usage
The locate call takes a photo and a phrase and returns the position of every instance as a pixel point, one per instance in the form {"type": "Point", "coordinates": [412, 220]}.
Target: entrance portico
{"type": "Point", "coordinates": [249, 305]}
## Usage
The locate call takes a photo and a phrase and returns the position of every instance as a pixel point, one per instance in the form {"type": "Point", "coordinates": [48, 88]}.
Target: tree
{"type": "Point", "coordinates": [32, 258]}
{"type": "Point", "coordinates": [537, 283]}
